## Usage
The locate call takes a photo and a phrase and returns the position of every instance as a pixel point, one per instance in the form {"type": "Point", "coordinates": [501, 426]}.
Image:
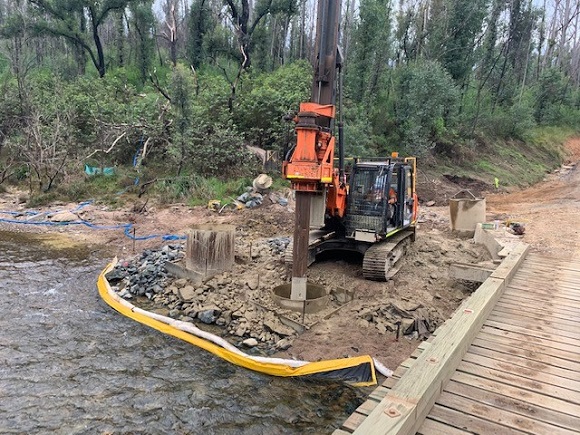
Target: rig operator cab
{"type": "Point", "coordinates": [381, 199]}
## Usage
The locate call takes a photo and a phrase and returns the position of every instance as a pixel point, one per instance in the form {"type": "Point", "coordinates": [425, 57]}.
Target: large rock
{"type": "Point", "coordinates": [115, 275]}
{"type": "Point", "coordinates": [181, 282]}
{"type": "Point", "coordinates": [250, 342]}
{"type": "Point", "coordinates": [208, 316]}
{"type": "Point", "coordinates": [252, 283]}
{"type": "Point", "coordinates": [63, 216]}
{"type": "Point", "coordinates": [240, 330]}
{"type": "Point", "coordinates": [407, 326]}
{"type": "Point", "coordinates": [278, 328]}
{"type": "Point", "coordinates": [187, 293]}
{"type": "Point", "coordinates": [284, 344]}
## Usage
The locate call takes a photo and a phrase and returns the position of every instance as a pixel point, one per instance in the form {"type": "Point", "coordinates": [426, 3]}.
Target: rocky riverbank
{"type": "Point", "coordinates": [362, 317]}
{"type": "Point", "coordinates": [240, 304]}
{"type": "Point", "coordinates": [236, 301]}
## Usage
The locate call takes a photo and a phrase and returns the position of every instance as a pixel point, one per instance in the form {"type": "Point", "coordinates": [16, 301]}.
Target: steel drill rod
{"type": "Point", "coordinates": [300, 251]}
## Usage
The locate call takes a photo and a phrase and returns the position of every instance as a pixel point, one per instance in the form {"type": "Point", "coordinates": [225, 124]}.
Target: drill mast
{"type": "Point", "coordinates": [310, 167]}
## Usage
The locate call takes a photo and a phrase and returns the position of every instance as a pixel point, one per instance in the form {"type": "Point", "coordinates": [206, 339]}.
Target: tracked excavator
{"type": "Point", "coordinates": [370, 209]}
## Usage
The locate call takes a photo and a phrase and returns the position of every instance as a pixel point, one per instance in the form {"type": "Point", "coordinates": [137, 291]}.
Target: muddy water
{"type": "Point", "coordinates": [69, 364]}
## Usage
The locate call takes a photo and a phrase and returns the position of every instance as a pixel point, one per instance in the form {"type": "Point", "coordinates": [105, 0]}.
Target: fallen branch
{"type": "Point", "coordinates": [155, 82]}
{"type": "Point", "coordinates": [107, 151]}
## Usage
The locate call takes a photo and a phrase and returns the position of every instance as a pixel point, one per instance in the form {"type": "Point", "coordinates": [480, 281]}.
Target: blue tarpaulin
{"type": "Point", "coordinates": [92, 170]}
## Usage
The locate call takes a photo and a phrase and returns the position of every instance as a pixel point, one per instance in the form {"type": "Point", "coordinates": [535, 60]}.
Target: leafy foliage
{"type": "Point", "coordinates": [426, 104]}
{"type": "Point", "coordinates": [441, 79]}
{"type": "Point", "coordinates": [260, 111]}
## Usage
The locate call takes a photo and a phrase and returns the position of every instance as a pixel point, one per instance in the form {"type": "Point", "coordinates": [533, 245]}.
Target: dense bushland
{"type": "Point", "coordinates": [172, 93]}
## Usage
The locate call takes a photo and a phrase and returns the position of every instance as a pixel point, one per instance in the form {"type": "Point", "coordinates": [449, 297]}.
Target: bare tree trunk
{"type": "Point", "coordinates": [172, 34]}
{"type": "Point", "coordinates": [563, 34]}
{"type": "Point", "coordinates": [120, 38]}
{"type": "Point", "coordinates": [302, 38]}
{"type": "Point", "coordinates": [282, 46]}
{"type": "Point", "coordinates": [274, 40]}
{"type": "Point", "coordinates": [100, 60]}
{"type": "Point", "coordinates": [552, 35]}
{"type": "Point", "coordinates": [347, 29]}
{"type": "Point", "coordinates": [526, 66]}
{"type": "Point", "coordinates": [541, 39]}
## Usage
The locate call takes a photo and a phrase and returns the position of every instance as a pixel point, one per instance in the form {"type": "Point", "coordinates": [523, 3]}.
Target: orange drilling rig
{"type": "Point", "coordinates": [373, 209]}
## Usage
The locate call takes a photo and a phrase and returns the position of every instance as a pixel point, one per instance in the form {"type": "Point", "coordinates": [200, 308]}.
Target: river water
{"type": "Point", "coordinates": [70, 364]}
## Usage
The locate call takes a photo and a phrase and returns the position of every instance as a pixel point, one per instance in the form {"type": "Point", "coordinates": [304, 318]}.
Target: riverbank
{"type": "Point", "coordinates": [420, 296]}
{"type": "Point", "coordinates": [238, 304]}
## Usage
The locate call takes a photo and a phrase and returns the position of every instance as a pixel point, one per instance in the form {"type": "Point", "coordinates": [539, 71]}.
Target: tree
{"type": "Point", "coordinates": [66, 19]}
{"type": "Point", "coordinates": [426, 99]}
{"type": "Point", "coordinates": [260, 111]}
{"type": "Point", "coordinates": [465, 24]}
{"type": "Point", "coordinates": [200, 22]}
{"type": "Point", "coordinates": [370, 49]}
{"type": "Point", "coordinates": [143, 22]}
{"type": "Point", "coordinates": [16, 50]}
{"type": "Point", "coordinates": [244, 27]}
{"type": "Point", "coordinates": [182, 91]}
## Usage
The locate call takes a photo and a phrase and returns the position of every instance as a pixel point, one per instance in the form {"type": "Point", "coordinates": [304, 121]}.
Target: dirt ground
{"type": "Point", "coordinates": [549, 210]}
{"type": "Point", "coordinates": [422, 286]}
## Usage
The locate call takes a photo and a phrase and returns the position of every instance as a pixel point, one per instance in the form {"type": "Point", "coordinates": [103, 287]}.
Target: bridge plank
{"type": "Point", "coordinates": [556, 341]}
{"type": "Point", "coordinates": [502, 416]}
{"type": "Point", "coordinates": [551, 269]}
{"type": "Point", "coordinates": [535, 324]}
{"type": "Point", "coordinates": [353, 422]}
{"type": "Point", "coordinates": [552, 288]}
{"type": "Point", "coordinates": [510, 370]}
{"type": "Point", "coordinates": [469, 422]}
{"type": "Point", "coordinates": [546, 302]}
{"type": "Point", "coordinates": [516, 406]}
{"type": "Point", "coordinates": [538, 362]}
{"type": "Point", "coordinates": [538, 346]}
{"type": "Point", "coordinates": [434, 427]}
{"type": "Point", "coordinates": [533, 309]}
{"type": "Point", "coordinates": [553, 278]}
{"type": "Point", "coordinates": [521, 382]}
{"type": "Point", "coordinates": [517, 393]}
{"type": "Point", "coordinates": [541, 294]}
{"type": "Point", "coordinates": [570, 267]}
{"type": "Point", "coordinates": [535, 315]}
{"type": "Point", "coordinates": [367, 407]}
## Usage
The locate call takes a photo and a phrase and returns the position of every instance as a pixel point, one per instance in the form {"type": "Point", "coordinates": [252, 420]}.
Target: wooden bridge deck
{"type": "Point", "coordinates": [520, 373]}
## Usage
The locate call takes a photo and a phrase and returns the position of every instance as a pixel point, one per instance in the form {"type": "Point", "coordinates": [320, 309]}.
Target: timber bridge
{"type": "Point", "coordinates": [507, 362]}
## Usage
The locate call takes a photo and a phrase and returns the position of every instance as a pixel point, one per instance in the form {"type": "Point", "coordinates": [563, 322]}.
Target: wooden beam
{"type": "Point", "coordinates": [469, 272]}
{"type": "Point", "coordinates": [402, 411]}
{"type": "Point", "coordinates": [405, 407]}
{"type": "Point", "coordinates": [508, 267]}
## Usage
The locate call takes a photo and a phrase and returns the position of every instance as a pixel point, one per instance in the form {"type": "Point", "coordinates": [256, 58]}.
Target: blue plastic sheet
{"type": "Point", "coordinates": [93, 170]}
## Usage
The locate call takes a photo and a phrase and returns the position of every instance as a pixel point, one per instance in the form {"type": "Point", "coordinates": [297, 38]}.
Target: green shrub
{"type": "Point", "coordinates": [514, 122]}
{"type": "Point", "coordinates": [425, 105]}
{"type": "Point", "coordinates": [259, 111]}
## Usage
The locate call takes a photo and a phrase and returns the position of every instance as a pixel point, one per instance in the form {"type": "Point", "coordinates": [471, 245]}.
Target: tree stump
{"type": "Point", "coordinates": [210, 249]}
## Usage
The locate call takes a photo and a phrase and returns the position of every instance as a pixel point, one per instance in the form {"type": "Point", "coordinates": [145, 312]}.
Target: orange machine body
{"type": "Point", "coordinates": [310, 168]}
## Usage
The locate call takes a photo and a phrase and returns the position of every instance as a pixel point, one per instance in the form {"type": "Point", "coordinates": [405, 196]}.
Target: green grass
{"type": "Point", "coordinates": [196, 190]}
{"type": "Point", "coordinates": [514, 163]}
